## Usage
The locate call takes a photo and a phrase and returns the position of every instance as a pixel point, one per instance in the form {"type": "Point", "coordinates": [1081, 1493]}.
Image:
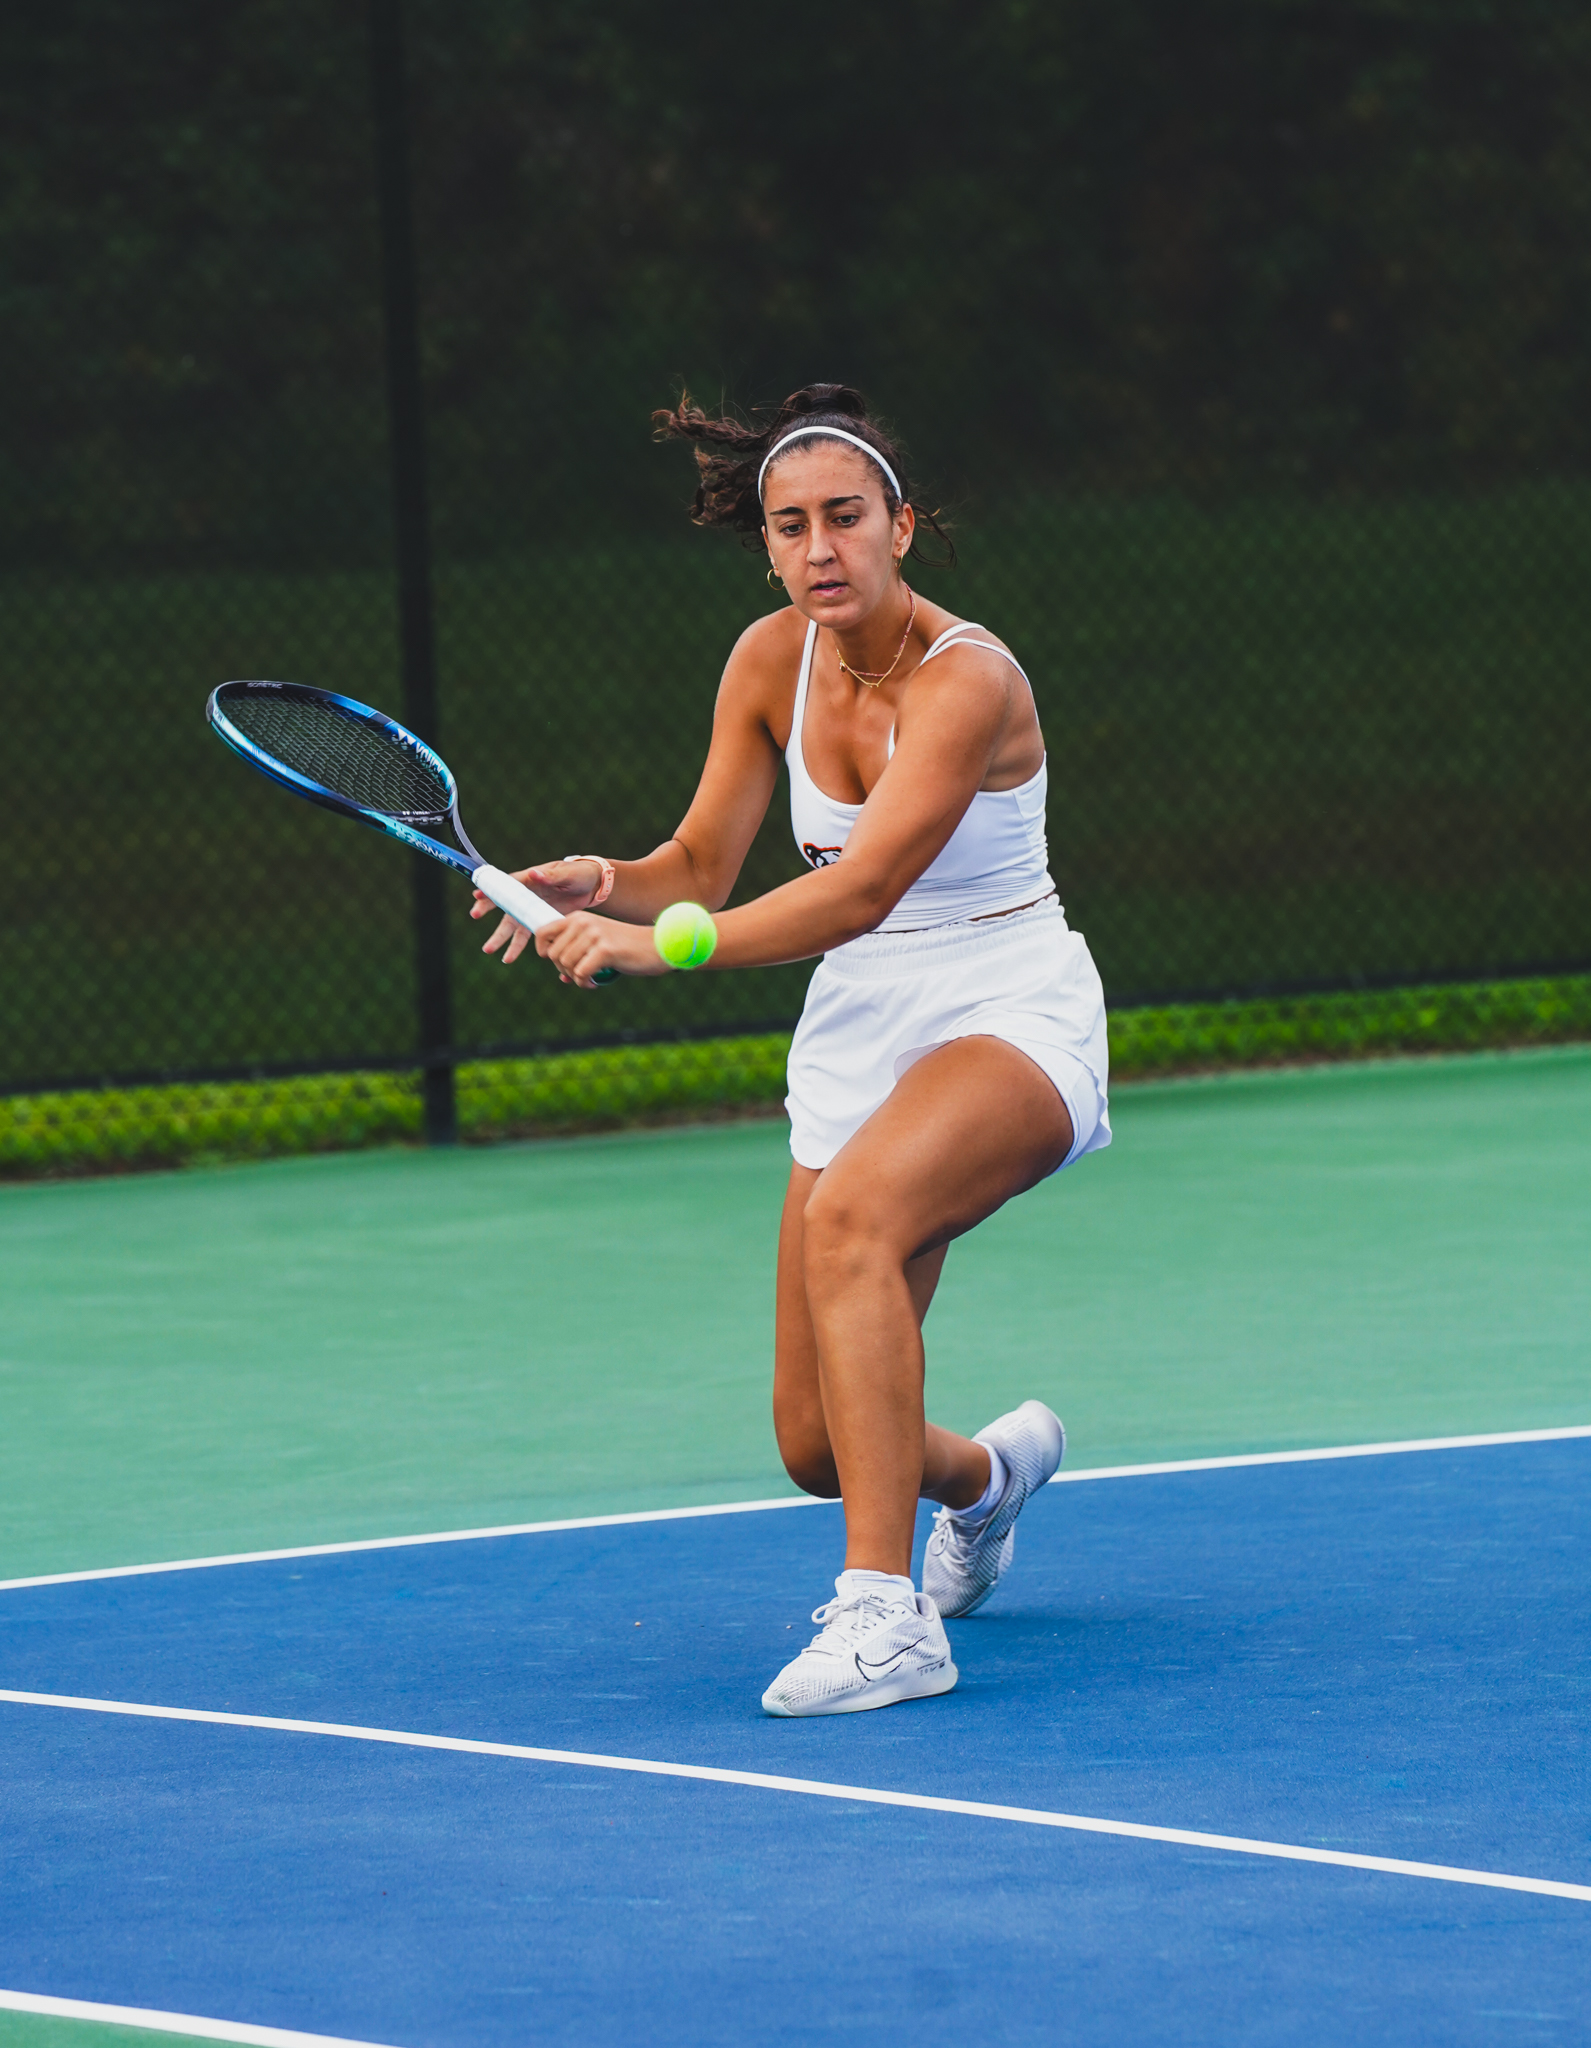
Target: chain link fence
{"type": "Point", "coordinates": [1247, 348]}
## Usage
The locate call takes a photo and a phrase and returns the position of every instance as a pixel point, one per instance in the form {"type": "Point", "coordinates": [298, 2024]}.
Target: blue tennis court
{"type": "Point", "coordinates": [1378, 1656]}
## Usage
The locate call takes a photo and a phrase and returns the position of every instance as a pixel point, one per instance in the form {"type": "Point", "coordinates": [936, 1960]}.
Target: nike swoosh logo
{"type": "Point", "coordinates": [892, 1662]}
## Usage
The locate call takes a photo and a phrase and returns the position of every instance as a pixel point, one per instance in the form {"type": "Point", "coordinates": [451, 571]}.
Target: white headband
{"type": "Point", "coordinates": [830, 434]}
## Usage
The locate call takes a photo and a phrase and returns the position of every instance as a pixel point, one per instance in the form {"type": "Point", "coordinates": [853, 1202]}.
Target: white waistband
{"type": "Point", "coordinates": [876, 956]}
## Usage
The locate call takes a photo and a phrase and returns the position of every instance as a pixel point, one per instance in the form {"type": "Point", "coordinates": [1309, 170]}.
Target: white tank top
{"type": "Point", "coordinates": [996, 859]}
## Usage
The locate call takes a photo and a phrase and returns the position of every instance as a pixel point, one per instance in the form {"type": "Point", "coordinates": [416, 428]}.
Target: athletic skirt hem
{"type": "Point", "coordinates": [878, 1005]}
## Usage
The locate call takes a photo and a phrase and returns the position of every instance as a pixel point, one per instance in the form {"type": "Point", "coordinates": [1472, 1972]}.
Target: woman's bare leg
{"type": "Point", "coordinates": [964, 1129]}
{"type": "Point", "coordinates": [952, 1464]}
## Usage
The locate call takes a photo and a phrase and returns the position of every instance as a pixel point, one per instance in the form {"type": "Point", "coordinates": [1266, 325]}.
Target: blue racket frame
{"type": "Point", "coordinates": [464, 863]}
{"type": "Point", "coordinates": [510, 896]}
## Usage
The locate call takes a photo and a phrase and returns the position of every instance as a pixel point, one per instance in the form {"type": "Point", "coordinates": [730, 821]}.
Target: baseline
{"type": "Point", "coordinates": [817, 1788]}
{"type": "Point", "coordinates": [1311, 1457]}
{"type": "Point", "coordinates": [752, 1507]}
{"type": "Point", "coordinates": [156, 2022]}
{"type": "Point", "coordinates": [200, 1564]}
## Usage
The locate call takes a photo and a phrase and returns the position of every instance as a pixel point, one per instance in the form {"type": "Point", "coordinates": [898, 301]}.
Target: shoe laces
{"type": "Point", "coordinates": [953, 1534]}
{"type": "Point", "coordinates": [847, 1621]}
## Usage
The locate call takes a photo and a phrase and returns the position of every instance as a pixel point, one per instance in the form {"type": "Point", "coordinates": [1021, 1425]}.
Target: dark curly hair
{"type": "Point", "coordinates": [729, 454]}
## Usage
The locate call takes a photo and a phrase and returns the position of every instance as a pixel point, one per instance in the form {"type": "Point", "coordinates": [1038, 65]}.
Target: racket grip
{"type": "Point", "coordinates": [514, 899]}
{"type": "Point", "coordinates": [517, 902]}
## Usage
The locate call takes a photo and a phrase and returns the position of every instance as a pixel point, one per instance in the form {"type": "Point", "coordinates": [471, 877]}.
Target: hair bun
{"type": "Point", "coordinates": [843, 399]}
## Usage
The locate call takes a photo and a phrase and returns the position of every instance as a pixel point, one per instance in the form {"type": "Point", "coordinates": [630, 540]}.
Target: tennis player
{"type": "Point", "coordinates": [952, 1049]}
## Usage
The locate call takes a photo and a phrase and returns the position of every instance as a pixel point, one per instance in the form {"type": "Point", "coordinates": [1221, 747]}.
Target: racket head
{"type": "Point", "coordinates": [349, 757]}
{"type": "Point", "coordinates": [334, 749]}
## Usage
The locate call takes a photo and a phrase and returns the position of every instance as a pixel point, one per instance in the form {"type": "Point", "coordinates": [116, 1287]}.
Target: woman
{"type": "Point", "coordinates": [952, 1049]}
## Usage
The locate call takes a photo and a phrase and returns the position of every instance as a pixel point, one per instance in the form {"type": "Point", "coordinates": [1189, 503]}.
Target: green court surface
{"type": "Point", "coordinates": [26, 2029]}
{"type": "Point", "coordinates": [391, 1342]}
{"type": "Point", "coordinates": [29, 2030]}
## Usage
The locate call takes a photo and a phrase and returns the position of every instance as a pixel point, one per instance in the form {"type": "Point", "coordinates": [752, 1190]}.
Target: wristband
{"type": "Point", "coordinates": [605, 886]}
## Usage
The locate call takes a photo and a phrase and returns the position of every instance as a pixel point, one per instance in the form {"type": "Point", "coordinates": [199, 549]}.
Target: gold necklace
{"type": "Point", "coordinates": [874, 682]}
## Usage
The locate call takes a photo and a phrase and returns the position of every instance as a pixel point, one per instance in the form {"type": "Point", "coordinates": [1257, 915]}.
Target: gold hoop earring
{"type": "Point", "coordinates": [774, 582]}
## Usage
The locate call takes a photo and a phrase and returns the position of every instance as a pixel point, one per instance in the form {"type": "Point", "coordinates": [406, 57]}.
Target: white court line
{"type": "Point", "coordinates": [171, 2022]}
{"type": "Point", "coordinates": [817, 1788]}
{"type": "Point", "coordinates": [751, 1507]}
{"type": "Point", "coordinates": [200, 1564]}
{"type": "Point", "coordinates": [1426, 1443]}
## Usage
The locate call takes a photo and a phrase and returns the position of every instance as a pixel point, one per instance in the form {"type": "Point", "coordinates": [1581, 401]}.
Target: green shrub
{"type": "Point", "coordinates": [186, 1124]}
{"type": "Point", "coordinates": [1187, 1038]}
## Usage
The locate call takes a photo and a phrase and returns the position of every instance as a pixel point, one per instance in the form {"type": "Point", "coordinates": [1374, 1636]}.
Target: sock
{"type": "Point", "coordinates": [989, 1499]}
{"type": "Point", "coordinates": [856, 1585]}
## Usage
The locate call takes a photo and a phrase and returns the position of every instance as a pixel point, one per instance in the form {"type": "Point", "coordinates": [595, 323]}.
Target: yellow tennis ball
{"type": "Point", "coordinates": [685, 936]}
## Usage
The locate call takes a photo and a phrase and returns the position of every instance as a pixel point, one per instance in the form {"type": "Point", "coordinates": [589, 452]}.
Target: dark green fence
{"type": "Point", "coordinates": [1247, 345]}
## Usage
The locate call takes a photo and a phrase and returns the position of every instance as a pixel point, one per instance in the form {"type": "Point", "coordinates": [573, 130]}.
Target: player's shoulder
{"type": "Point", "coordinates": [763, 662]}
{"type": "Point", "coordinates": [969, 693]}
{"type": "Point", "coordinates": [974, 641]}
{"type": "Point", "coordinates": [773, 638]}
{"type": "Point", "coordinates": [976, 655]}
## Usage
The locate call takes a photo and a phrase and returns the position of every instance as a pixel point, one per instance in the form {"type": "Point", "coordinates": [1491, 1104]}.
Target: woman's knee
{"type": "Point", "coordinates": [807, 1456]}
{"type": "Point", "coordinates": [843, 1233]}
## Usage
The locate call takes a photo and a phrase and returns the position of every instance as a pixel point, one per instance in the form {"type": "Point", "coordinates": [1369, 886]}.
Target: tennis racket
{"type": "Point", "coordinates": [341, 754]}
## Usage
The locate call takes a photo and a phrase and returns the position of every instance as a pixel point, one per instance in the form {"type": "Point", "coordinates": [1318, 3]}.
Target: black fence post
{"type": "Point", "coordinates": [411, 521]}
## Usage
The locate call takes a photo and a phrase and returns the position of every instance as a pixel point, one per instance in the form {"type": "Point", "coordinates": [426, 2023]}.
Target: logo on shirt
{"type": "Point", "coordinates": [820, 856]}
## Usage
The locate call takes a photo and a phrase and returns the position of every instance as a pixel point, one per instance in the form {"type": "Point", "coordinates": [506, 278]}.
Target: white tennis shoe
{"type": "Point", "coordinates": [966, 1560]}
{"type": "Point", "coordinates": [873, 1650]}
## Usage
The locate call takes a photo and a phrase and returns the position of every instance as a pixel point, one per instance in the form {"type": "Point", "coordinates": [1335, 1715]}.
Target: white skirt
{"type": "Point", "coordinates": [878, 1004]}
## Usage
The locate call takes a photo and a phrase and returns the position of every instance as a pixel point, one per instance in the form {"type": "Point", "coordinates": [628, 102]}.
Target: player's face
{"type": "Point", "coordinates": [829, 532]}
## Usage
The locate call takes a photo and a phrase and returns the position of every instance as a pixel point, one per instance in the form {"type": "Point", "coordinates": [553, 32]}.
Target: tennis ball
{"type": "Point", "coordinates": [685, 936]}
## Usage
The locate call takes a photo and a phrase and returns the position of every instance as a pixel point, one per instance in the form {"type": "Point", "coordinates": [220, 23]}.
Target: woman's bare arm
{"type": "Point", "coordinates": [702, 860]}
{"type": "Point", "coordinates": [958, 719]}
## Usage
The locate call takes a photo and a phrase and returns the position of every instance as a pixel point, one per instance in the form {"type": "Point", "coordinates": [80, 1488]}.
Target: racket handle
{"type": "Point", "coordinates": [517, 902]}
{"type": "Point", "coordinates": [514, 899]}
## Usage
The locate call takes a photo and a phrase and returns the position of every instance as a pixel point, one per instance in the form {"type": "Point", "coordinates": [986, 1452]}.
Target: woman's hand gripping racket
{"type": "Point", "coordinates": [341, 754]}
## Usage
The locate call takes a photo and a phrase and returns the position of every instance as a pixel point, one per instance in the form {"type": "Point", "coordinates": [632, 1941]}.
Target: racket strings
{"type": "Point", "coordinates": [364, 764]}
